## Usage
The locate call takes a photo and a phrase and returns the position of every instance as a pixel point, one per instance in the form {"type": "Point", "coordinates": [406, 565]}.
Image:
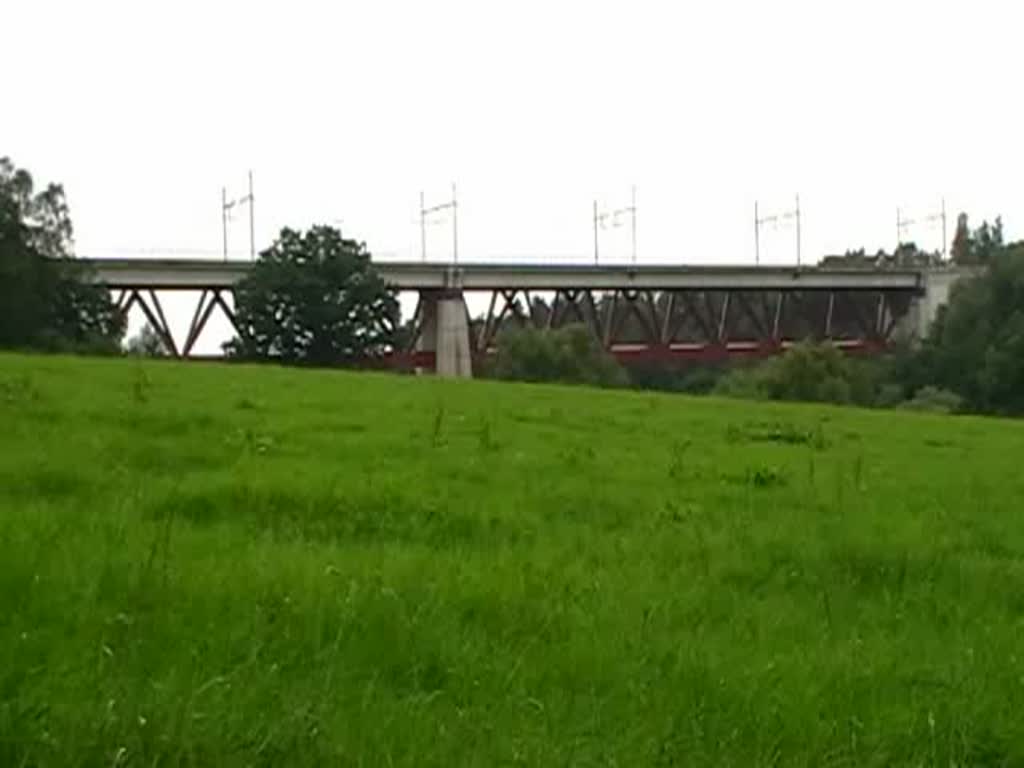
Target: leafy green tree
{"type": "Point", "coordinates": [975, 348]}
{"type": "Point", "coordinates": [988, 241]}
{"type": "Point", "coordinates": [314, 297]}
{"type": "Point", "coordinates": [568, 355]}
{"type": "Point", "coordinates": [960, 251]}
{"type": "Point", "coordinates": [146, 343]}
{"type": "Point", "coordinates": [47, 299]}
{"type": "Point", "coordinates": [83, 318]}
{"type": "Point", "coordinates": [977, 247]}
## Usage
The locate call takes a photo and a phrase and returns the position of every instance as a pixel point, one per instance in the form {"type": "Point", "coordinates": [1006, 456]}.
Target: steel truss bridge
{"type": "Point", "coordinates": [640, 313]}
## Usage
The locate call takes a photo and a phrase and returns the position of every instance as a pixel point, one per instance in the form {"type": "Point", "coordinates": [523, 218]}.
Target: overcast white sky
{"type": "Point", "coordinates": [345, 111]}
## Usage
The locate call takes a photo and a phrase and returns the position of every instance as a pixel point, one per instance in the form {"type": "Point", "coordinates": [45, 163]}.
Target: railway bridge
{"type": "Point", "coordinates": [639, 313]}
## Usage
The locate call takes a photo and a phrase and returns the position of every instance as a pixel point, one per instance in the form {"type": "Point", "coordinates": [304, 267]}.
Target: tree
{"type": "Point", "coordinates": [146, 343]}
{"type": "Point", "coordinates": [988, 241]}
{"type": "Point", "coordinates": [960, 251]}
{"type": "Point", "coordinates": [314, 298]}
{"type": "Point", "coordinates": [906, 255]}
{"type": "Point", "coordinates": [978, 247]}
{"type": "Point", "coordinates": [47, 299]}
{"type": "Point", "coordinates": [568, 355]}
{"type": "Point", "coordinates": [975, 348]}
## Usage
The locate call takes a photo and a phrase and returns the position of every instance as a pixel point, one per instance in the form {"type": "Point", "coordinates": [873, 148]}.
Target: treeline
{"type": "Point", "coordinates": [969, 249]}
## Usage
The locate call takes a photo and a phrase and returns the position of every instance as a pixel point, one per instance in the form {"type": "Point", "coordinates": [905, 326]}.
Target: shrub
{"type": "Point", "coordinates": [699, 379]}
{"type": "Point", "coordinates": [889, 395]}
{"type": "Point", "coordinates": [808, 372]}
{"type": "Point", "coordinates": [746, 383]}
{"type": "Point", "coordinates": [934, 400]}
{"type": "Point", "coordinates": [569, 355]}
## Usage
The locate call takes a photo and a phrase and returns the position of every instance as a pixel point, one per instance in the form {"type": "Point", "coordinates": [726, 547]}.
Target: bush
{"type": "Point", "coordinates": [701, 380]}
{"type": "Point", "coordinates": [813, 372]}
{"type": "Point", "coordinates": [569, 355]}
{"type": "Point", "coordinates": [146, 343]}
{"type": "Point", "coordinates": [934, 400]}
{"type": "Point", "coordinates": [745, 383]}
{"type": "Point", "coordinates": [694, 379]}
{"type": "Point", "coordinates": [890, 395]}
{"type": "Point", "coordinates": [808, 372]}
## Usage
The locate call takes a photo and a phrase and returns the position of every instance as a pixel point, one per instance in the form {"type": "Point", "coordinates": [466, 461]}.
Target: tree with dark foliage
{"type": "Point", "coordinates": [314, 298]}
{"type": "Point", "coordinates": [975, 348]}
{"type": "Point", "coordinates": [47, 299]}
{"type": "Point", "coordinates": [979, 247]}
{"type": "Point", "coordinates": [146, 343]}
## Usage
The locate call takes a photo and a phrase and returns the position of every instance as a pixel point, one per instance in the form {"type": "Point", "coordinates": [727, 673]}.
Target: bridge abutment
{"type": "Point", "coordinates": [936, 285]}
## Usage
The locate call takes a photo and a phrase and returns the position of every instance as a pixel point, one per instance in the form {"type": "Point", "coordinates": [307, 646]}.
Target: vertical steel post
{"type": "Point", "coordinates": [632, 208]}
{"type": "Point", "coordinates": [757, 237]}
{"type": "Point", "coordinates": [455, 226]}
{"type": "Point", "coordinates": [798, 231]}
{"type": "Point", "coordinates": [224, 218]}
{"type": "Point", "coordinates": [252, 222]}
{"type": "Point", "coordinates": [944, 241]}
{"type": "Point", "coordinates": [423, 228]}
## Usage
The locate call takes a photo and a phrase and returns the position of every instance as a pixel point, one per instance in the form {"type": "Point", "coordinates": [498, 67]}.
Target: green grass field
{"type": "Point", "coordinates": [214, 566]}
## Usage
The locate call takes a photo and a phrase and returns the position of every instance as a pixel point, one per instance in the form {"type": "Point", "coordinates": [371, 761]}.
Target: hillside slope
{"type": "Point", "coordinates": [215, 565]}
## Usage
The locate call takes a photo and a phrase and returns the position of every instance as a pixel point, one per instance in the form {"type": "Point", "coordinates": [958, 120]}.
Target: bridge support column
{"type": "Point", "coordinates": [445, 332]}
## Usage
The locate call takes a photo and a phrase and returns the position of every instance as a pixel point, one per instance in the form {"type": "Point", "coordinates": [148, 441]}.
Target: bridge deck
{"type": "Point", "coordinates": [192, 274]}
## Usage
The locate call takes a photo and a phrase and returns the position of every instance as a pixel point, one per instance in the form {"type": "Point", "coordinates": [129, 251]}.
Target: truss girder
{"type": "Point", "coordinates": [768, 319]}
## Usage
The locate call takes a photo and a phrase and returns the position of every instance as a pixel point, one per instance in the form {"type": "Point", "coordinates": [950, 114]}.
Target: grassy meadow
{"type": "Point", "coordinates": [227, 565]}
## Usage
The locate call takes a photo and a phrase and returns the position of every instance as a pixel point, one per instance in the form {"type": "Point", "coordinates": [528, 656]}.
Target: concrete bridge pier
{"type": "Point", "coordinates": [445, 332]}
{"type": "Point", "coordinates": [937, 286]}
